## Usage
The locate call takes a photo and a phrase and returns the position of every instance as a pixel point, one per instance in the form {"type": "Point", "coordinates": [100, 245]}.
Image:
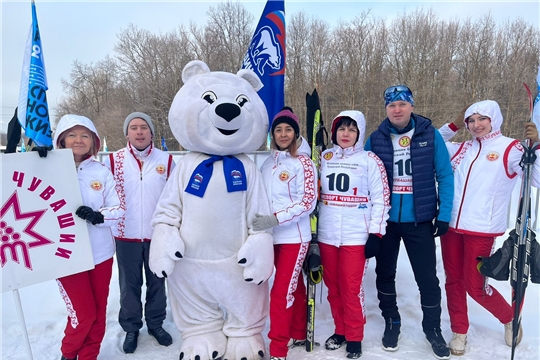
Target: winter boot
{"type": "Point", "coordinates": [162, 337]}
{"type": "Point", "coordinates": [130, 343]}
{"type": "Point", "coordinates": [334, 342]}
{"type": "Point", "coordinates": [354, 349]}
{"type": "Point", "coordinates": [457, 344]}
{"type": "Point", "coordinates": [392, 334]}
{"type": "Point", "coordinates": [65, 358]}
{"type": "Point", "coordinates": [438, 345]}
{"type": "Point", "coordinates": [296, 343]}
{"type": "Point", "coordinates": [508, 334]}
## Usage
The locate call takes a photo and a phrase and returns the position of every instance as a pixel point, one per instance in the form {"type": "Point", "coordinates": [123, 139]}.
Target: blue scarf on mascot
{"type": "Point", "coordinates": [233, 170]}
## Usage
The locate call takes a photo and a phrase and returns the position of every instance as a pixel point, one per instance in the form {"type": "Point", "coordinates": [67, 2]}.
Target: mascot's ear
{"type": "Point", "coordinates": [195, 67]}
{"type": "Point", "coordinates": [251, 78]}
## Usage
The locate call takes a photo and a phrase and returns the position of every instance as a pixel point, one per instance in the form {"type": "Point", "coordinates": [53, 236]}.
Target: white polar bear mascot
{"type": "Point", "coordinates": [203, 242]}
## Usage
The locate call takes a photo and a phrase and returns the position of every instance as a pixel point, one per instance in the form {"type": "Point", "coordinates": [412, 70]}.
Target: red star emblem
{"type": "Point", "coordinates": [11, 239]}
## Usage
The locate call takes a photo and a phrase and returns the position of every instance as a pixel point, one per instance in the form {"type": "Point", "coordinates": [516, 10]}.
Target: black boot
{"type": "Point", "coordinates": [130, 343]}
{"type": "Point", "coordinates": [438, 344]}
{"type": "Point", "coordinates": [392, 332]}
{"type": "Point", "coordinates": [65, 358]}
{"type": "Point", "coordinates": [162, 337]}
{"type": "Point", "coordinates": [334, 342]}
{"type": "Point", "coordinates": [354, 349]}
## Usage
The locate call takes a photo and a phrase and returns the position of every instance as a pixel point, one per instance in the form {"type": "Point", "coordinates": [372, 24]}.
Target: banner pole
{"type": "Point", "coordinates": [23, 323]}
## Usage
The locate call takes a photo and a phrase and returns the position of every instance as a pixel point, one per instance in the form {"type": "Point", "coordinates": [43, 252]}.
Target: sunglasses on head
{"type": "Point", "coordinates": [394, 90]}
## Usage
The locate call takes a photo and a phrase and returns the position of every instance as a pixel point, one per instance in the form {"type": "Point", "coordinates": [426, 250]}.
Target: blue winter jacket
{"type": "Point", "coordinates": [429, 177]}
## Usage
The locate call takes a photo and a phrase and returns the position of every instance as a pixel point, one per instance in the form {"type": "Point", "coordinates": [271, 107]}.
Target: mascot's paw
{"type": "Point", "coordinates": [166, 247]}
{"type": "Point", "coordinates": [249, 348]}
{"type": "Point", "coordinates": [256, 256]}
{"type": "Point", "coordinates": [205, 346]}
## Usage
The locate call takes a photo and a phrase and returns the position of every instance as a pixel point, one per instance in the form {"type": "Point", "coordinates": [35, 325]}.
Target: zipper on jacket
{"type": "Point", "coordinates": [466, 183]}
{"type": "Point", "coordinates": [400, 207]}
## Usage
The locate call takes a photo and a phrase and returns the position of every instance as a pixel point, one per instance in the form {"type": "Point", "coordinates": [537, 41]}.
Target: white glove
{"type": "Point", "coordinates": [264, 222]}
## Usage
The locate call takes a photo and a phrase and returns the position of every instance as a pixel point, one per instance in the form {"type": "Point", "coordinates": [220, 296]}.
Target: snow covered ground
{"type": "Point", "coordinates": [45, 316]}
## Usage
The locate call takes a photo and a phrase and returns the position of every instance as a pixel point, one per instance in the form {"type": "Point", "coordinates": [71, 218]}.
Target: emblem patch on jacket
{"type": "Point", "coordinates": [160, 168]}
{"type": "Point", "coordinates": [284, 175]}
{"type": "Point", "coordinates": [404, 141]}
{"type": "Point", "coordinates": [96, 185]}
{"type": "Point", "coordinates": [492, 156]}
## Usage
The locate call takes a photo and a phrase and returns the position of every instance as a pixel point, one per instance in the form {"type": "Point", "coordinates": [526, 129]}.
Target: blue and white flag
{"type": "Point", "coordinates": [266, 56]}
{"type": "Point", "coordinates": [105, 147]}
{"type": "Point", "coordinates": [33, 112]}
{"type": "Point", "coordinates": [536, 102]}
{"type": "Point", "coordinates": [163, 144]}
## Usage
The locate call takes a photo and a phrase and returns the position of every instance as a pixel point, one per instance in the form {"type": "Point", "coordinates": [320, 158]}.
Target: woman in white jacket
{"type": "Point", "coordinates": [354, 205]}
{"type": "Point", "coordinates": [290, 177]}
{"type": "Point", "coordinates": [85, 293]}
{"type": "Point", "coordinates": [486, 170]}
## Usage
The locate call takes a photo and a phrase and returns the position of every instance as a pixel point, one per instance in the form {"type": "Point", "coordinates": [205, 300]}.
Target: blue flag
{"type": "Point", "coordinates": [33, 112]}
{"type": "Point", "coordinates": [163, 144]}
{"type": "Point", "coordinates": [266, 56]}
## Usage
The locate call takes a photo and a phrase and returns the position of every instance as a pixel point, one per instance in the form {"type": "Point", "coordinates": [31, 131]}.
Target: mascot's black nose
{"type": "Point", "coordinates": [228, 111]}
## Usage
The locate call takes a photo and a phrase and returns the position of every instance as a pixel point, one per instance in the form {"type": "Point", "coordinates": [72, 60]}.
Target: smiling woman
{"type": "Point", "coordinates": [80, 140]}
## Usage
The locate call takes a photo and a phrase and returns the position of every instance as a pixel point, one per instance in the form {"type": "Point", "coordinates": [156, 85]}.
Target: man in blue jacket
{"type": "Point", "coordinates": [421, 182]}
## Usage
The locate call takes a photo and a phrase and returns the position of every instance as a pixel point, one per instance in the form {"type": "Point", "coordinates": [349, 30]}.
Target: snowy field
{"type": "Point", "coordinates": [45, 316]}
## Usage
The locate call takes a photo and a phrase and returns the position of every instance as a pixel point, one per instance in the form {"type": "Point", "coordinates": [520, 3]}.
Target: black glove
{"type": "Point", "coordinates": [42, 150]}
{"type": "Point", "coordinates": [93, 217]}
{"type": "Point", "coordinates": [371, 248]}
{"type": "Point", "coordinates": [440, 228]}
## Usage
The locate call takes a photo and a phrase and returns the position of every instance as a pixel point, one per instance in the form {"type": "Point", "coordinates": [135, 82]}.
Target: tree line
{"type": "Point", "coordinates": [446, 63]}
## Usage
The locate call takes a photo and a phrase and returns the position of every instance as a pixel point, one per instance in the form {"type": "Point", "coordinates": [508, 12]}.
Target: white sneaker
{"type": "Point", "coordinates": [508, 334]}
{"type": "Point", "coordinates": [277, 358]}
{"type": "Point", "coordinates": [457, 344]}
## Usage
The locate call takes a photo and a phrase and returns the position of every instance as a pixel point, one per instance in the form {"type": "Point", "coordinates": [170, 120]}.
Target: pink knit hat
{"type": "Point", "coordinates": [286, 116]}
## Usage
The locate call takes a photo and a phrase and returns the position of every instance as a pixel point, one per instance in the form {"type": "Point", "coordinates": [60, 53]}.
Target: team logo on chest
{"type": "Point", "coordinates": [96, 185]}
{"type": "Point", "coordinates": [284, 175]}
{"type": "Point", "coordinates": [328, 156]}
{"type": "Point", "coordinates": [160, 169]}
{"type": "Point", "coordinates": [404, 141]}
{"type": "Point", "coordinates": [492, 156]}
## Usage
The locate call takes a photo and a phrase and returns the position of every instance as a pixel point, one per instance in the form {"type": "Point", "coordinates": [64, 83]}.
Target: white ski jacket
{"type": "Point", "coordinates": [355, 197]}
{"type": "Point", "coordinates": [486, 170]}
{"type": "Point", "coordinates": [291, 185]}
{"type": "Point", "coordinates": [139, 185]}
{"type": "Point", "coordinates": [98, 192]}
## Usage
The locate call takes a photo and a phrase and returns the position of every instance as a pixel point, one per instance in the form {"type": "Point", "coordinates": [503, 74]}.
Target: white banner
{"type": "Point", "coordinates": [41, 237]}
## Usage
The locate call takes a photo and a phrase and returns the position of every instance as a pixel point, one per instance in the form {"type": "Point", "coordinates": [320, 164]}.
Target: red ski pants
{"type": "Point", "coordinates": [288, 298]}
{"type": "Point", "coordinates": [85, 295]}
{"type": "Point", "coordinates": [343, 273]}
{"type": "Point", "coordinates": [459, 252]}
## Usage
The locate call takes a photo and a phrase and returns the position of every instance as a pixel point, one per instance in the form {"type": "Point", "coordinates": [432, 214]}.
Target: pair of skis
{"type": "Point", "coordinates": [316, 135]}
{"type": "Point", "coordinates": [521, 256]}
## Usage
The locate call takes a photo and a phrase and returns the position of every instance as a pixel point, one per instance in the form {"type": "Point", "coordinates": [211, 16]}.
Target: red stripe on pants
{"type": "Point", "coordinates": [85, 294]}
{"type": "Point", "coordinates": [287, 320]}
{"type": "Point", "coordinates": [343, 273]}
{"type": "Point", "coordinates": [459, 253]}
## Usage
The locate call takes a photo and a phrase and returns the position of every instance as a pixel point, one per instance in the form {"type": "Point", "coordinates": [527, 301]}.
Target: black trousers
{"type": "Point", "coordinates": [132, 258]}
{"type": "Point", "coordinates": [420, 245]}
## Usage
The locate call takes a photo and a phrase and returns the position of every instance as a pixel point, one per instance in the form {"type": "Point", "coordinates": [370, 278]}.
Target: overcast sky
{"type": "Point", "coordinates": [87, 30]}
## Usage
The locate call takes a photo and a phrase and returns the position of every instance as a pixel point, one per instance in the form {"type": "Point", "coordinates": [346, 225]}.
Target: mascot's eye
{"type": "Point", "coordinates": [209, 96]}
{"type": "Point", "coordinates": [241, 100]}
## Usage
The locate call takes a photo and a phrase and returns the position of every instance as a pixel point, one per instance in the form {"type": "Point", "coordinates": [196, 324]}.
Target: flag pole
{"type": "Point", "coordinates": [20, 314]}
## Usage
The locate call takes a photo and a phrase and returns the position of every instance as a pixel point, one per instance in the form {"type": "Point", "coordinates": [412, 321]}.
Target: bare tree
{"type": "Point", "coordinates": [447, 64]}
